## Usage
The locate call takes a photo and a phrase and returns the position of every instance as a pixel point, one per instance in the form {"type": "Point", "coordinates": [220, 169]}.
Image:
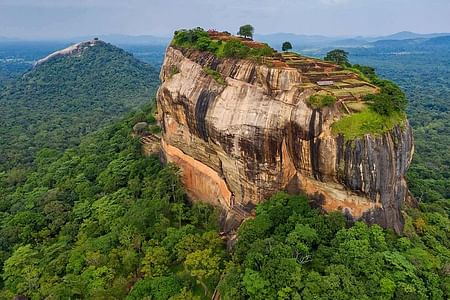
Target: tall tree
{"type": "Point", "coordinates": [338, 56]}
{"type": "Point", "coordinates": [203, 265]}
{"type": "Point", "coordinates": [246, 31]}
{"type": "Point", "coordinates": [286, 46]}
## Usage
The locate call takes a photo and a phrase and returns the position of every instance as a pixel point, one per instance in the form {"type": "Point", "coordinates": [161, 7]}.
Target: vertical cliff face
{"type": "Point", "coordinates": [245, 130]}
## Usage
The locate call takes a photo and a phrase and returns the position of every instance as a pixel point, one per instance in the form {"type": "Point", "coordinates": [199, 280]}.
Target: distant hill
{"type": "Point", "coordinates": [438, 41]}
{"type": "Point", "coordinates": [414, 44]}
{"type": "Point", "coordinates": [407, 35]}
{"type": "Point", "coordinates": [71, 93]}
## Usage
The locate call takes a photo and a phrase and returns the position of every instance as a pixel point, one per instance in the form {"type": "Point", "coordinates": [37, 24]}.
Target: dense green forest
{"type": "Point", "coordinates": [56, 103]}
{"type": "Point", "coordinates": [104, 222]}
{"type": "Point", "coordinates": [101, 221]}
{"type": "Point", "coordinates": [291, 251]}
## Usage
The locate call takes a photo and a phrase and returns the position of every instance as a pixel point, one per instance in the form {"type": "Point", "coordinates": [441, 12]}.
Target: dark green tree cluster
{"type": "Point", "coordinates": [104, 222]}
{"type": "Point", "coordinates": [56, 103]}
{"type": "Point", "coordinates": [290, 251]}
{"type": "Point", "coordinates": [199, 39]}
{"type": "Point", "coordinates": [196, 38]}
{"type": "Point", "coordinates": [391, 98]}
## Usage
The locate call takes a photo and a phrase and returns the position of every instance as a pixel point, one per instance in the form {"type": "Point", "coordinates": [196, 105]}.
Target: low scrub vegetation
{"type": "Point", "coordinates": [321, 101]}
{"type": "Point", "coordinates": [366, 122]}
{"type": "Point", "coordinates": [216, 75]}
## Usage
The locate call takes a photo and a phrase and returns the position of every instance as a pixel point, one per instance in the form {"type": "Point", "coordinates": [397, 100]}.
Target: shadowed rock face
{"type": "Point", "coordinates": [241, 142]}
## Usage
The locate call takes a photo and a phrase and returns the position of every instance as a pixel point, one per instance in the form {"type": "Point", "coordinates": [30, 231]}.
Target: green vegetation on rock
{"type": "Point", "coordinates": [321, 101]}
{"type": "Point", "coordinates": [286, 46]}
{"type": "Point", "coordinates": [357, 125]}
{"type": "Point", "coordinates": [216, 75]}
{"type": "Point", "coordinates": [337, 56]}
{"type": "Point", "coordinates": [385, 110]}
{"type": "Point", "coordinates": [199, 39]}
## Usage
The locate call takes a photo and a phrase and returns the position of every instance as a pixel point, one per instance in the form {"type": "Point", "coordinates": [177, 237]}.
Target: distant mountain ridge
{"type": "Point", "coordinates": [273, 38]}
{"type": "Point", "coordinates": [417, 43]}
{"type": "Point", "coordinates": [407, 35]}
{"type": "Point", "coordinates": [301, 41]}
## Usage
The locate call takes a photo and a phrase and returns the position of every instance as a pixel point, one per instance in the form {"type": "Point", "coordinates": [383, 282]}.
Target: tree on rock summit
{"type": "Point", "coordinates": [246, 31]}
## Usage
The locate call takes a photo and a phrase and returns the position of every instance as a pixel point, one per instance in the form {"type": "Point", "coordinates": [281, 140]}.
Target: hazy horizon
{"type": "Point", "coordinates": [53, 19]}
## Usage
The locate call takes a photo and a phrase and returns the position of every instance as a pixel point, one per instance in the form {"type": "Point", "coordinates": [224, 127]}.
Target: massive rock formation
{"type": "Point", "coordinates": [240, 142]}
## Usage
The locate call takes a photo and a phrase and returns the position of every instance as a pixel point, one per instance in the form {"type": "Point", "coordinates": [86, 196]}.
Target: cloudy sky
{"type": "Point", "coordinates": [40, 19]}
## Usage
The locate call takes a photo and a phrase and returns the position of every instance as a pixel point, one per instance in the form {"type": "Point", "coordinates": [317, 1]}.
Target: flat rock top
{"type": "Point", "coordinates": [344, 84]}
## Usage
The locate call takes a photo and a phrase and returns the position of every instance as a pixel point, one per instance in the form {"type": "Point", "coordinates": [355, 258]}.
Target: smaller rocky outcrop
{"type": "Point", "coordinates": [76, 49]}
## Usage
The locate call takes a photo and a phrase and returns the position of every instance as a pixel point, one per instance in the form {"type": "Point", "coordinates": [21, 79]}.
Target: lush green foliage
{"type": "Point", "coordinates": [391, 98]}
{"type": "Point", "coordinates": [290, 251]}
{"type": "Point", "coordinates": [196, 38]}
{"type": "Point", "coordinates": [337, 56]}
{"type": "Point", "coordinates": [246, 31]}
{"type": "Point", "coordinates": [286, 46]}
{"type": "Point", "coordinates": [321, 101]}
{"type": "Point", "coordinates": [104, 222]}
{"type": "Point", "coordinates": [358, 124]}
{"type": "Point", "coordinates": [199, 39]}
{"type": "Point", "coordinates": [386, 108]}
{"type": "Point", "coordinates": [59, 101]}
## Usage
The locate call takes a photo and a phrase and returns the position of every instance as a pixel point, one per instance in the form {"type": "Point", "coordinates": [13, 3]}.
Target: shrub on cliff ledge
{"type": "Point", "coordinates": [216, 75]}
{"type": "Point", "coordinates": [391, 98]}
{"type": "Point", "coordinates": [236, 49]}
{"type": "Point", "coordinates": [321, 101]}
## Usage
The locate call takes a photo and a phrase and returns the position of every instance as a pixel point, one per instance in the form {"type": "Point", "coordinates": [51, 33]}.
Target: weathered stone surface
{"type": "Point", "coordinates": [241, 142]}
{"type": "Point", "coordinates": [75, 49]}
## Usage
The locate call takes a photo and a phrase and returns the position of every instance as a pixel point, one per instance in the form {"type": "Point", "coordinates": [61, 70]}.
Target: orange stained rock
{"type": "Point", "coordinates": [201, 181]}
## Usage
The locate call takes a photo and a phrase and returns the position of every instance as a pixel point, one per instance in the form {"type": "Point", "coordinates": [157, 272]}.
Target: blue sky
{"type": "Point", "coordinates": [40, 19]}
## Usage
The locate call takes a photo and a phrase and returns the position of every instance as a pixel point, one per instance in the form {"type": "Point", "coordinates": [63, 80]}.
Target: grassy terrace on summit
{"type": "Point", "coordinates": [370, 105]}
